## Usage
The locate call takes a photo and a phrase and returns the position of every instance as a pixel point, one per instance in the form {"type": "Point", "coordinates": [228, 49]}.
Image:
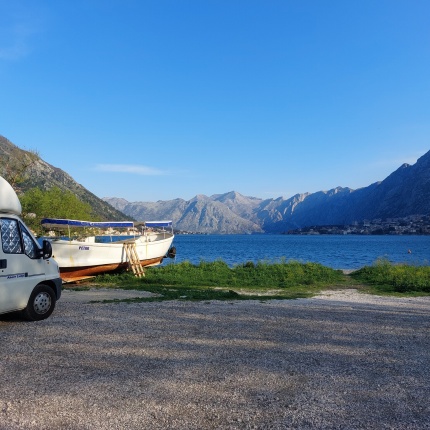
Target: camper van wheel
{"type": "Point", "coordinates": [41, 303]}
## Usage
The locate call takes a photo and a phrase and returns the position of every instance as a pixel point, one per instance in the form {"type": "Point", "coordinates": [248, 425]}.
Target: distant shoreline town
{"type": "Point", "coordinates": [410, 225]}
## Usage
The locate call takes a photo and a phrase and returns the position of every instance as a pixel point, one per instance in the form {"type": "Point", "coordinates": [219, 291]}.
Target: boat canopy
{"type": "Point", "coordinates": [58, 223]}
{"type": "Point", "coordinates": [158, 223]}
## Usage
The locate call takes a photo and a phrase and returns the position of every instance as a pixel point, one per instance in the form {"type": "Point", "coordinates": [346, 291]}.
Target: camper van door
{"type": "Point", "coordinates": [21, 265]}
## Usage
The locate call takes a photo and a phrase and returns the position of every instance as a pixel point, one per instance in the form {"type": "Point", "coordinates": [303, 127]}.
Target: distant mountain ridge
{"type": "Point", "coordinates": [405, 192]}
{"type": "Point", "coordinates": [223, 213]}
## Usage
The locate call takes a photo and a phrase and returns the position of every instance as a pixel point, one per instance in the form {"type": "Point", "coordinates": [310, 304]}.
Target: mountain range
{"type": "Point", "coordinates": [405, 192]}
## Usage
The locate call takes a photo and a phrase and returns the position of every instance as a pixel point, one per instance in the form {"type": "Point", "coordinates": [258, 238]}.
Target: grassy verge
{"type": "Point", "coordinates": [217, 281]}
{"type": "Point", "coordinates": [266, 281]}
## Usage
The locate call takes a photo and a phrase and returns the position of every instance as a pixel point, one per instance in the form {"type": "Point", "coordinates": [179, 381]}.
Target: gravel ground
{"type": "Point", "coordinates": [342, 360]}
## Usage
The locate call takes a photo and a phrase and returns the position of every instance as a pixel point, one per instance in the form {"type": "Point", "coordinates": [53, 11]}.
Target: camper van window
{"type": "Point", "coordinates": [11, 233]}
{"type": "Point", "coordinates": [30, 247]}
{"type": "Point", "coordinates": [10, 236]}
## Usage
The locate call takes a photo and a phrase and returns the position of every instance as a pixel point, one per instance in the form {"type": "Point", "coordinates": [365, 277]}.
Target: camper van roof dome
{"type": "Point", "coordinates": [9, 202]}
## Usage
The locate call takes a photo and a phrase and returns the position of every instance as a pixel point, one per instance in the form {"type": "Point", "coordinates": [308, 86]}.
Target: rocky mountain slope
{"type": "Point", "coordinates": [405, 192]}
{"type": "Point", "coordinates": [225, 214]}
{"type": "Point", "coordinates": [45, 176]}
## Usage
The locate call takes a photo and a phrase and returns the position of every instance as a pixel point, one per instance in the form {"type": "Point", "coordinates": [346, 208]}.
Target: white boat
{"type": "Point", "coordinates": [85, 249]}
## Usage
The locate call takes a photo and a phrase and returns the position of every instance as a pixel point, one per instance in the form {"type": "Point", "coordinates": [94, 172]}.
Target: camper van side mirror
{"type": "Point", "coordinates": [47, 249]}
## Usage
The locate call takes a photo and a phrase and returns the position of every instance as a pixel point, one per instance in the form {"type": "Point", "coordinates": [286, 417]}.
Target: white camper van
{"type": "Point", "coordinates": [29, 278]}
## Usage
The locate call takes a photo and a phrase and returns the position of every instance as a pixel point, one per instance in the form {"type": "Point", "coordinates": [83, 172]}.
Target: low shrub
{"type": "Point", "coordinates": [399, 278]}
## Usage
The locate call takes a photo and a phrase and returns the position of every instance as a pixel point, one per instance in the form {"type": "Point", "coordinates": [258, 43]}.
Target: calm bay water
{"type": "Point", "coordinates": [338, 252]}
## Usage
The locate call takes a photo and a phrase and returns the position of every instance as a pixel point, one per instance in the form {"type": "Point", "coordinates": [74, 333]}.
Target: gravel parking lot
{"type": "Point", "coordinates": [342, 360]}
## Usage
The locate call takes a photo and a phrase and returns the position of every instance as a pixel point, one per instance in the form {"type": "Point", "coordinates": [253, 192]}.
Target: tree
{"type": "Point", "coordinates": [54, 203]}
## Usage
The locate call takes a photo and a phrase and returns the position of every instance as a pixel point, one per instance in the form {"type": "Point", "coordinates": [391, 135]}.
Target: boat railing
{"type": "Point", "coordinates": [116, 238]}
{"type": "Point", "coordinates": [99, 232]}
{"type": "Point", "coordinates": [163, 229]}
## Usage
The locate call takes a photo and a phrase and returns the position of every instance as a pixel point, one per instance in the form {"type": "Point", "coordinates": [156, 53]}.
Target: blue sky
{"type": "Point", "coordinates": [162, 99]}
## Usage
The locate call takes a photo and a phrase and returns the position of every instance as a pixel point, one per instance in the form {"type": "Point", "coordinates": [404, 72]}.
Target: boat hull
{"type": "Point", "coordinates": [73, 274]}
{"type": "Point", "coordinates": [80, 259]}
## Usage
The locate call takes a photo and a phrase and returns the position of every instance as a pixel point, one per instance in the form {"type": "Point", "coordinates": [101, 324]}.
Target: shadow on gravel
{"type": "Point", "coordinates": [12, 317]}
{"type": "Point", "coordinates": [279, 364]}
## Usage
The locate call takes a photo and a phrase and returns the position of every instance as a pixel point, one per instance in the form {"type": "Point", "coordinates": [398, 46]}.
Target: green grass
{"type": "Point", "coordinates": [217, 281]}
{"type": "Point", "coordinates": [248, 275]}
{"type": "Point", "coordinates": [386, 278]}
{"type": "Point", "coordinates": [265, 281]}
